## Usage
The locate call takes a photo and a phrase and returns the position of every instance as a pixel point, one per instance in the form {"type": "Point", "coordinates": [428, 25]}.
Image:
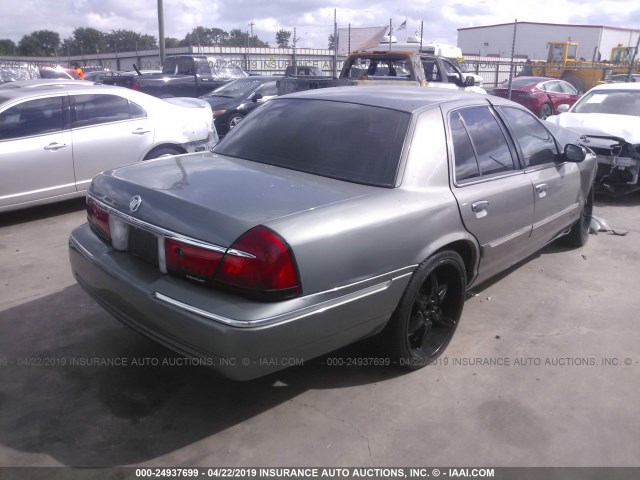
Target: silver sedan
{"type": "Point", "coordinates": [55, 136]}
{"type": "Point", "coordinates": [327, 217]}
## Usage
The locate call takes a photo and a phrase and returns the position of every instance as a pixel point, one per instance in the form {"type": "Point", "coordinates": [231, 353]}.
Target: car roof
{"type": "Point", "coordinates": [44, 83]}
{"type": "Point", "coordinates": [257, 77]}
{"type": "Point", "coordinates": [56, 86]}
{"type": "Point", "coordinates": [617, 86]}
{"type": "Point", "coordinates": [402, 98]}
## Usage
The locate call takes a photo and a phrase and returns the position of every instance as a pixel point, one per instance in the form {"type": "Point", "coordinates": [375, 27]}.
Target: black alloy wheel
{"type": "Point", "coordinates": [429, 311]}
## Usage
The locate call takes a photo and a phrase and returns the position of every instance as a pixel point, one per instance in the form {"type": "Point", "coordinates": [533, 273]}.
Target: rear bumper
{"type": "Point", "coordinates": [241, 339]}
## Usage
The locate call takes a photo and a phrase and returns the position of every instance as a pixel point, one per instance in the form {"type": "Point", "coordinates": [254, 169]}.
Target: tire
{"type": "Point", "coordinates": [575, 81]}
{"type": "Point", "coordinates": [579, 233]}
{"type": "Point", "coordinates": [545, 111]}
{"type": "Point", "coordinates": [428, 313]}
{"type": "Point", "coordinates": [162, 152]}
{"type": "Point", "coordinates": [234, 120]}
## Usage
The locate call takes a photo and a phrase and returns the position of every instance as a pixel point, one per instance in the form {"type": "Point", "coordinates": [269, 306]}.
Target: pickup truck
{"type": "Point", "coordinates": [389, 67]}
{"type": "Point", "coordinates": [182, 76]}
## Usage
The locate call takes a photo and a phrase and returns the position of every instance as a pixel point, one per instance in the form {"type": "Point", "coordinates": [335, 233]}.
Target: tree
{"type": "Point", "coordinates": [254, 41]}
{"type": "Point", "coordinates": [238, 38]}
{"type": "Point", "coordinates": [282, 38]}
{"type": "Point", "coordinates": [219, 36]}
{"type": "Point", "coordinates": [7, 47]}
{"type": "Point", "coordinates": [129, 41]}
{"type": "Point", "coordinates": [171, 42]}
{"type": "Point", "coordinates": [89, 41]}
{"type": "Point", "coordinates": [206, 36]}
{"type": "Point", "coordinates": [41, 43]}
{"type": "Point", "coordinates": [332, 43]}
{"type": "Point", "coordinates": [86, 41]}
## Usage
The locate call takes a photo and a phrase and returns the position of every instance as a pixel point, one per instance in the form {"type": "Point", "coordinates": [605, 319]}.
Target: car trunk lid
{"type": "Point", "coordinates": [214, 198]}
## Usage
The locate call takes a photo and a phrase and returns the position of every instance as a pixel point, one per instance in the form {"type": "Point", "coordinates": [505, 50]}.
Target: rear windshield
{"type": "Point", "coordinates": [356, 143]}
{"type": "Point", "coordinates": [521, 82]}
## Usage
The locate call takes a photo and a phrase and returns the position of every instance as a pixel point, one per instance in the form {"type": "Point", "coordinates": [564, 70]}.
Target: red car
{"type": "Point", "coordinates": [541, 95]}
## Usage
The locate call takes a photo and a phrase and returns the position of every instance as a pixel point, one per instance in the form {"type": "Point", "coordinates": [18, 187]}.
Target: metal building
{"type": "Point", "coordinates": [531, 39]}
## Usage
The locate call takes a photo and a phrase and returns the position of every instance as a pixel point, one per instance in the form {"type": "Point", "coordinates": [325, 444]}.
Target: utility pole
{"type": "Point", "coordinates": [251, 26]}
{"type": "Point", "coordinates": [513, 49]}
{"type": "Point", "coordinates": [161, 31]}
{"type": "Point", "coordinates": [295, 39]}
{"type": "Point", "coordinates": [633, 59]}
{"type": "Point", "coordinates": [335, 44]}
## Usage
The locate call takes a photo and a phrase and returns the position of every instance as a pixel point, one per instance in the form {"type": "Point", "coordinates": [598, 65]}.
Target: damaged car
{"type": "Point", "coordinates": [293, 238]}
{"type": "Point", "coordinates": [609, 118]}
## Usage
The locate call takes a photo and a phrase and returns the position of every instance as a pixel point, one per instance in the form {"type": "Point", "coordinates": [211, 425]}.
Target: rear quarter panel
{"type": "Point", "coordinates": [389, 229]}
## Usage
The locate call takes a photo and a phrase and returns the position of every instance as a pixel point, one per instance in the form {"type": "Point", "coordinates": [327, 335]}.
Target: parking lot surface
{"type": "Point", "coordinates": [544, 370]}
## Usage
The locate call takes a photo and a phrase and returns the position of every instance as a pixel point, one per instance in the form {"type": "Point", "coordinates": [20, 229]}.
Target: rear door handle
{"type": "Point", "coordinates": [55, 146]}
{"type": "Point", "coordinates": [140, 131]}
{"type": "Point", "coordinates": [541, 190]}
{"type": "Point", "coordinates": [479, 206]}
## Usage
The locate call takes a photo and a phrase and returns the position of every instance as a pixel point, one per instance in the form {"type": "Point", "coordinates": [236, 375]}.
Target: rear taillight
{"type": "Point", "coordinates": [258, 264]}
{"type": "Point", "coordinates": [134, 86]}
{"type": "Point", "coordinates": [261, 262]}
{"type": "Point", "coordinates": [191, 261]}
{"type": "Point", "coordinates": [98, 217]}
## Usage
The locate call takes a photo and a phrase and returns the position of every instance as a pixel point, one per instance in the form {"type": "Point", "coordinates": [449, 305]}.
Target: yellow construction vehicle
{"type": "Point", "coordinates": [563, 62]}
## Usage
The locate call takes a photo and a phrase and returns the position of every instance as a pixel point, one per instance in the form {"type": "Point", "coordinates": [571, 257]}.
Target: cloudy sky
{"type": "Point", "coordinates": [313, 19]}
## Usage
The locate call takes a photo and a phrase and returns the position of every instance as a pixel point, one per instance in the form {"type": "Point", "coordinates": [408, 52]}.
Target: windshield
{"type": "Point", "coordinates": [616, 102]}
{"type": "Point", "coordinates": [378, 67]}
{"type": "Point", "coordinates": [237, 88]}
{"type": "Point", "coordinates": [227, 70]}
{"type": "Point", "coordinates": [347, 141]}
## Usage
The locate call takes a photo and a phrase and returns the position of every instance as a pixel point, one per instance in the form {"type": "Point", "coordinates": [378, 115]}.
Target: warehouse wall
{"type": "Point", "coordinates": [532, 39]}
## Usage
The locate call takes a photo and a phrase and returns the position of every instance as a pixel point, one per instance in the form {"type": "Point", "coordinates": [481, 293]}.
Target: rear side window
{"type": "Point", "coordinates": [536, 144]}
{"type": "Point", "coordinates": [30, 118]}
{"type": "Point", "coordinates": [169, 67]}
{"type": "Point", "coordinates": [136, 111]}
{"type": "Point", "coordinates": [466, 162]}
{"type": "Point", "coordinates": [185, 66]}
{"type": "Point", "coordinates": [347, 141]}
{"type": "Point", "coordinates": [488, 140]}
{"type": "Point", "coordinates": [98, 109]}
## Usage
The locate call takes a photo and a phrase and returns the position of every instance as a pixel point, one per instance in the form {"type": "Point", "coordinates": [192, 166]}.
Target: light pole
{"type": "Point", "coordinates": [251, 26]}
{"type": "Point", "coordinates": [161, 31]}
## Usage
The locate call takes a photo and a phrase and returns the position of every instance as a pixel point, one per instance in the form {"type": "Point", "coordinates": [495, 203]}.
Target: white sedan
{"type": "Point", "coordinates": [55, 138]}
{"type": "Point", "coordinates": [609, 116]}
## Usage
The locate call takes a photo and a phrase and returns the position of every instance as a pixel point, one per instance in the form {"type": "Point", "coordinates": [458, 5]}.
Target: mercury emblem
{"type": "Point", "coordinates": [135, 203]}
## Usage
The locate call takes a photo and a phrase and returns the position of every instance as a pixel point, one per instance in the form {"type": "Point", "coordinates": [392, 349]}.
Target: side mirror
{"type": "Point", "coordinates": [469, 82]}
{"type": "Point", "coordinates": [256, 97]}
{"type": "Point", "coordinates": [563, 108]}
{"type": "Point", "coordinates": [574, 153]}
